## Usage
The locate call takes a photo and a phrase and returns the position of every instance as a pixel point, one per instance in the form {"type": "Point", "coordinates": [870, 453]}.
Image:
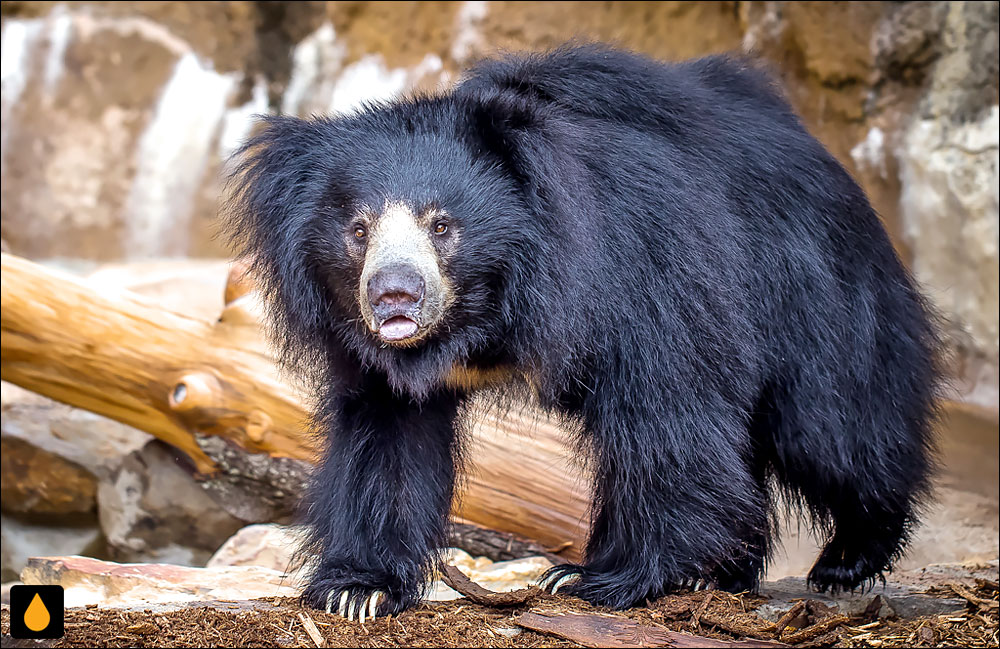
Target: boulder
{"type": "Point", "coordinates": [20, 540]}
{"type": "Point", "coordinates": [266, 545]}
{"type": "Point", "coordinates": [65, 437]}
{"type": "Point", "coordinates": [274, 547]}
{"type": "Point", "coordinates": [35, 480]}
{"type": "Point", "coordinates": [151, 508]}
{"type": "Point", "coordinates": [90, 581]}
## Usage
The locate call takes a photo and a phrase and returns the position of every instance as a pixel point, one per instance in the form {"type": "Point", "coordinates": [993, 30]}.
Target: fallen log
{"type": "Point", "coordinates": [124, 357]}
{"type": "Point", "coordinates": [213, 391]}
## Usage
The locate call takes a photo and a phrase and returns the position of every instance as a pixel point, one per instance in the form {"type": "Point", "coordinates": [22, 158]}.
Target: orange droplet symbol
{"type": "Point", "coordinates": [37, 616]}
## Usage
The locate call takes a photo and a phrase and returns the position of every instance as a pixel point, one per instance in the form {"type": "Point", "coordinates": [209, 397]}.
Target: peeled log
{"type": "Point", "coordinates": [121, 356]}
{"type": "Point", "coordinates": [182, 379]}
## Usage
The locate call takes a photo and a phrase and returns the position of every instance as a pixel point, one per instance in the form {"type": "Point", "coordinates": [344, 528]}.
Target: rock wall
{"type": "Point", "coordinates": [117, 115]}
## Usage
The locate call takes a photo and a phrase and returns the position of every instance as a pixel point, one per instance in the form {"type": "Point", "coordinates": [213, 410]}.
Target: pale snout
{"type": "Point", "coordinates": [402, 292]}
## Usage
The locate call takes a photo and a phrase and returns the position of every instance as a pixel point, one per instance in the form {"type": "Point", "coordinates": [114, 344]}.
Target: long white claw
{"type": "Point", "coordinates": [564, 579]}
{"type": "Point", "coordinates": [547, 580]}
{"type": "Point", "coordinates": [373, 602]}
{"type": "Point", "coordinates": [329, 602]}
{"type": "Point", "coordinates": [350, 611]}
{"type": "Point", "coordinates": [698, 585]}
{"type": "Point", "coordinates": [362, 609]}
{"type": "Point", "coordinates": [343, 604]}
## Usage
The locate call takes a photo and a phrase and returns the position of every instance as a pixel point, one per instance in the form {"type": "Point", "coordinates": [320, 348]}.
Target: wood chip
{"type": "Point", "coordinates": [598, 630]}
{"type": "Point", "coordinates": [142, 628]}
{"type": "Point", "coordinates": [787, 618]}
{"type": "Point", "coordinates": [310, 627]}
{"type": "Point", "coordinates": [817, 629]}
{"type": "Point", "coordinates": [967, 595]}
{"type": "Point", "coordinates": [696, 616]}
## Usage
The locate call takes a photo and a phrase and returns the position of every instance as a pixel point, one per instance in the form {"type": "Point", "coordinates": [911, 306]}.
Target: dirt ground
{"type": "Point", "coordinates": [710, 614]}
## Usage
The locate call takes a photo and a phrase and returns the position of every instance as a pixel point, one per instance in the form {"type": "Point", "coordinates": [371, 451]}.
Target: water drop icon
{"type": "Point", "coordinates": [36, 617]}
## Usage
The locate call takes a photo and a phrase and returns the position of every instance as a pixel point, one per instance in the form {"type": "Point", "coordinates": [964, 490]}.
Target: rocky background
{"type": "Point", "coordinates": [117, 117]}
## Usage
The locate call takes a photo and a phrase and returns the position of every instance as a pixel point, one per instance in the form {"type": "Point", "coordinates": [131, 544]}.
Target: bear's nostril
{"type": "Point", "coordinates": [397, 297]}
{"type": "Point", "coordinates": [398, 285]}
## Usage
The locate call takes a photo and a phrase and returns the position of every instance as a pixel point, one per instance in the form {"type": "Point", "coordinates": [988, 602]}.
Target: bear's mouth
{"type": "Point", "coordinates": [397, 329]}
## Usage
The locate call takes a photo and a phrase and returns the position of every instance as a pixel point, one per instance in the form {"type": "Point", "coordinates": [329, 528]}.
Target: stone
{"type": "Point", "coordinates": [90, 581]}
{"type": "Point", "coordinates": [897, 599]}
{"type": "Point", "coordinates": [38, 481]}
{"type": "Point", "coordinates": [941, 574]}
{"type": "Point", "coordinates": [267, 545]}
{"type": "Point", "coordinates": [82, 439]}
{"type": "Point", "coordinates": [5, 591]}
{"type": "Point", "coordinates": [505, 576]}
{"type": "Point", "coordinates": [21, 540]}
{"type": "Point", "coordinates": [151, 508]}
{"type": "Point", "coordinates": [274, 546]}
{"type": "Point", "coordinates": [53, 458]}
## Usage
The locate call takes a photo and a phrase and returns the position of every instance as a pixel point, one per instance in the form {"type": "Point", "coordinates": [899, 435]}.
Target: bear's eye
{"type": "Point", "coordinates": [360, 232]}
{"type": "Point", "coordinates": [440, 227]}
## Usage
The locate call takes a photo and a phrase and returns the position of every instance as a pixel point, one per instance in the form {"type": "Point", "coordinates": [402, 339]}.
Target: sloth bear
{"type": "Point", "coordinates": [661, 252]}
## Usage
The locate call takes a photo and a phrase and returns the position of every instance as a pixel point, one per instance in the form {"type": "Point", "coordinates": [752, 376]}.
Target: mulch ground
{"type": "Point", "coordinates": [711, 614]}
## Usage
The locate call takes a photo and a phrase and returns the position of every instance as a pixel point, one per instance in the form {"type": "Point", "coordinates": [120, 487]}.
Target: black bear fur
{"type": "Point", "coordinates": [672, 260]}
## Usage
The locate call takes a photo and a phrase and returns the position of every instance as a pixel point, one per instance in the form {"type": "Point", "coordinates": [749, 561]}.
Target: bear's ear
{"type": "Point", "coordinates": [501, 126]}
{"type": "Point", "coordinates": [273, 187]}
{"type": "Point", "coordinates": [267, 188]}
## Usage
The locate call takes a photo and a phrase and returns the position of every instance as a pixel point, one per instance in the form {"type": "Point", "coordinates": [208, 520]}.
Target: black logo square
{"type": "Point", "coordinates": [36, 612]}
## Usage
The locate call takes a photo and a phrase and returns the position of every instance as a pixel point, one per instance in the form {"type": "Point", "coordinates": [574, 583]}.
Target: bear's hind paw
{"type": "Point", "coordinates": [558, 576]}
{"type": "Point", "coordinates": [615, 589]}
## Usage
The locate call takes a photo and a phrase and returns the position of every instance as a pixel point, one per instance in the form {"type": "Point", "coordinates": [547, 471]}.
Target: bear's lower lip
{"type": "Point", "coordinates": [398, 328]}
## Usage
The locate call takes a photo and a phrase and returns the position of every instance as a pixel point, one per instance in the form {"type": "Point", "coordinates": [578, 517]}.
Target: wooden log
{"type": "Point", "coordinates": [481, 541]}
{"type": "Point", "coordinates": [213, 391]}
{"type": "Point", "coordinates": [121, 356]}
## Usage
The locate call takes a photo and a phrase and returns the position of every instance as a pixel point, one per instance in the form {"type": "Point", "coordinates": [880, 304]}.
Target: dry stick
{"type": "Point", "coordinates": [967, 595]}
{"type": "Point", "coordinates": [457, 581]}
{"type": "Point", "coordinates": [787, 618]}
{"type": "Point", "coordinates": [696, 616]}
{"type": "Point", "coordinates": [310, 627]}
{"type": "Point", "coordinates": [710, 620]}
{"type": "Point", "coordinates": [816, 630]}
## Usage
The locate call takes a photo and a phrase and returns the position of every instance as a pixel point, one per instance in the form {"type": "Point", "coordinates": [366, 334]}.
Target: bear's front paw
{"type": "Point", "coordinates": [353, 601]}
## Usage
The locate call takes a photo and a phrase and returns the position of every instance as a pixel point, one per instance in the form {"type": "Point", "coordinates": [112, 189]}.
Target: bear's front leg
{"type": "Point", "coordinates": [379, 502]}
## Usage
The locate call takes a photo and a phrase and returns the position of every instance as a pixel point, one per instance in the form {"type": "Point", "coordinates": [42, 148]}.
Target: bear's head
{"type": "Point", "coordinates": [393, 235]}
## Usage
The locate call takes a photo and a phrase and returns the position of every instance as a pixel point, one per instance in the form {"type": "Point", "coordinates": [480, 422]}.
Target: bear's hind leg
{"type": "Point", "coordinates": [862, 481]}
{"type": "Point", "coordinates": [863, 546]}
{"type": "Point", "coordinates": [672, 500]}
